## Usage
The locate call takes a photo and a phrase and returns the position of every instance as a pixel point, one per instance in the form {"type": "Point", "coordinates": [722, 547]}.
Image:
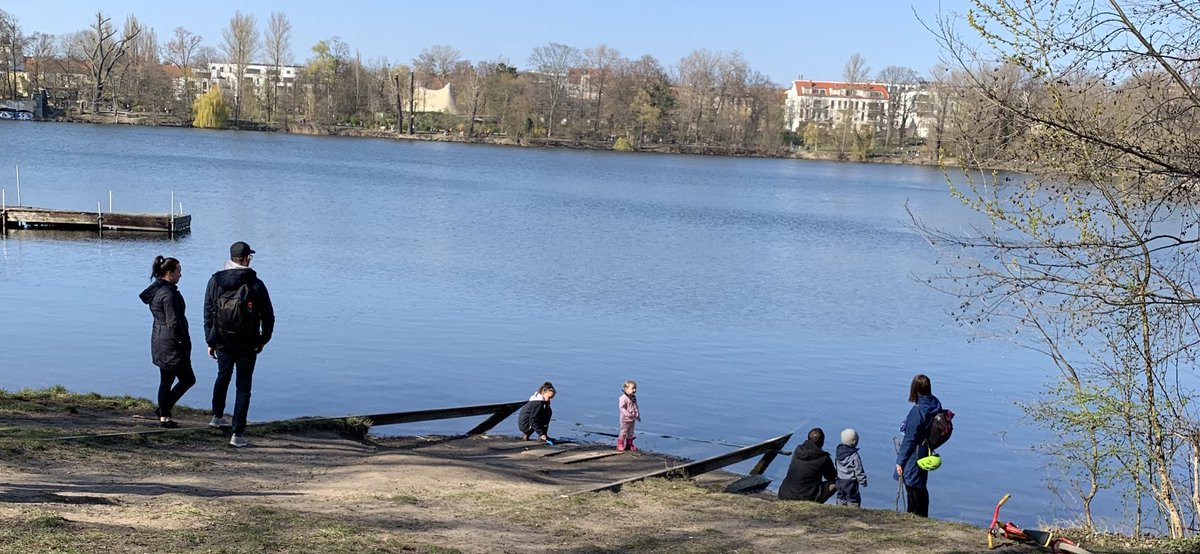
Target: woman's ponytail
{"type": "Point", "coordinates": [161, 266]}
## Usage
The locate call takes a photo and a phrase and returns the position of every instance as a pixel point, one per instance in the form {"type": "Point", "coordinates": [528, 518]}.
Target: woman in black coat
{"type": "Point", "coordinates": [170, 343]}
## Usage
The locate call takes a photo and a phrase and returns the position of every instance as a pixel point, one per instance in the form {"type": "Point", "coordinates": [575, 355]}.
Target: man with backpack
{"type": "Point", "coordinates": [238, 322]}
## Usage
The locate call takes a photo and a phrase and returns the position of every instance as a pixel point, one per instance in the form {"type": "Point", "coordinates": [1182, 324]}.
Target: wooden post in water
{"type": "Point", "coordinates": [412, 99]}
{"type": "Point", "coordinates": [99, 219]}
{"type": "Point", "coordinates": [110, 201]}
{"type": "Point", "coordinates": [172, 213]}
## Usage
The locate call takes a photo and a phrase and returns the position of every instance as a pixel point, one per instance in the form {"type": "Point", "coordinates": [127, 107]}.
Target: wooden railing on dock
{"type": "Point", "coordinates": [768, 449]}
{"type": "Point", "coordinates": [25, 217]}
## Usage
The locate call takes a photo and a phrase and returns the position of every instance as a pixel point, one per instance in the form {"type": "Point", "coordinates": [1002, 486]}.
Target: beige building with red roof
{"type": "Point", "coordinates": [829, 103]}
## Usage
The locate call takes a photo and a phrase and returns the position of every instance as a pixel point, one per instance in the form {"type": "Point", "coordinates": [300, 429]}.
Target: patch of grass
{"type": "Point", "coordinates": [57, 399]}
{"type": "Point", "coordinates": [430, 549]}
{"type": "Point", "coordinates": [46, 520]}
{"type": "Point", "coordinates": [702, 543]}
{"type": "Point", "coordinates": [406, 499]}
{"type": "Point", "coordinates": [352, 428]}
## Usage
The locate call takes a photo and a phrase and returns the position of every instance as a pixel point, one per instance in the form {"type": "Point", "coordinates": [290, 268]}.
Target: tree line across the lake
{"type": "Point", "coordinates": [707, 101]}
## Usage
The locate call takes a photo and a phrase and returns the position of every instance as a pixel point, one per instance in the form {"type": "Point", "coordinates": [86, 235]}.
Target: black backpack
{"type": "Point", "coordinates": [235, 313]}
{"type": "Point", "coordinates": [941, 425]}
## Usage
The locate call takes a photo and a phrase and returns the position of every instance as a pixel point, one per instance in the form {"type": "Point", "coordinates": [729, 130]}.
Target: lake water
{"type": "Point", "coordinates": [748, 297]}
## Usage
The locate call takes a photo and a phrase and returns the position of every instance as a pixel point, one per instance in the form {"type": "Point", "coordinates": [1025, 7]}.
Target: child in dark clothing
{"type": "Point", "coordinates": [535, 416]}
{"type": "Point", "coordinates": [850, 473]}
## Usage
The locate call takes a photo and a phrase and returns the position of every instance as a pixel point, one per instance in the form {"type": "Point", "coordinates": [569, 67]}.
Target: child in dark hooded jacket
{"type": "Point", "coordinates": [850, 473]}
{"type": "Point", "coordinates": [535, 416]}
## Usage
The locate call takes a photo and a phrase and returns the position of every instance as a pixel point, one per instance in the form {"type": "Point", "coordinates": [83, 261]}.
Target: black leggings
{"type": "Point", "coordinates": [918, 500]}
{"type": "Point", "coordinates": [168, 395]}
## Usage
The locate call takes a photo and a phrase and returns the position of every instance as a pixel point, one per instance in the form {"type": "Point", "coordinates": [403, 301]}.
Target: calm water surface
{"type": "Point", "coordinates": [748, 298]}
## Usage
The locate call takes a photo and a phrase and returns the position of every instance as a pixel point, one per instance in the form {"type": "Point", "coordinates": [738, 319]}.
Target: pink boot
{"type": "Point", "coordinates": [620, 445]}
{"type": "Point", "coordinates": [629, 445]}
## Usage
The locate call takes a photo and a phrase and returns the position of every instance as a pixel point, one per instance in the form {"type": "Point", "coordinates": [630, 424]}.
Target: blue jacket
{"type": "Point", "coordinates": [916, 428]}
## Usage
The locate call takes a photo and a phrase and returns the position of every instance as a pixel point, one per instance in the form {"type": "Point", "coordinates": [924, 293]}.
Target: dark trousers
{"type": "Point", "coordinates": [918, 500]}
{"type": "Point", "coordinates": [168, 395]}
{"type": "Point", "coordinates": [847, 492]}
{"type": "Point", "coordinates": [227, 362]}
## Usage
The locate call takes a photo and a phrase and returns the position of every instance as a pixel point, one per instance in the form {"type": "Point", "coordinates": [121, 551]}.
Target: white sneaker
{"type": "Point", "coordinates": [238, 441]}
{"type": "Point", "coordinates": [218, 422]}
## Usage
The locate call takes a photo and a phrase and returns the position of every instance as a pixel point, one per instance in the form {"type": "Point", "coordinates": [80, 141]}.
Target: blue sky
{"type": "Point", "coordinates": [780, 39]}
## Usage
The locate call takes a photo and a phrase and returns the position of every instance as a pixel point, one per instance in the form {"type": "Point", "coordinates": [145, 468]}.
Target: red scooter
{"type": "Point", "coordinates": [1043, 539]}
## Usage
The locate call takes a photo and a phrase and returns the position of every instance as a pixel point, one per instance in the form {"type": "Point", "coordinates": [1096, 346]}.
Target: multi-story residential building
{"type": "Point", "coordinates": [256, 74]}
{"type": "Point", "coordinates": [830, 103]}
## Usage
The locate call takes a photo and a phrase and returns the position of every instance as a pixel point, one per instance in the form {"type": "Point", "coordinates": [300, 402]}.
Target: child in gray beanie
{"type": "Point", "coordinates": [850, 473]}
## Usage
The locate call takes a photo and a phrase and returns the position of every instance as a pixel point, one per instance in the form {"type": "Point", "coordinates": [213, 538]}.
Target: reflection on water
{"type": "Point", "coordinates": [748, 298]}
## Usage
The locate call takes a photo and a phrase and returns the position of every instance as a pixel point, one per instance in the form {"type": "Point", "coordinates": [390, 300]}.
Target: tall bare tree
{"type": "Point", "coordinates": [279, 53]}
{"type": "Point", "coordinates": [103, 51]}
{"type": "Point", "coordinates": [600, 60]}
{"type": "Point", "coordinates": [902, 97]}
{"type": "Point", "coordinates": [436, 63]}
{"type": "Point", "coordinates": [42, 47]}
{"type": "Point", "coordinates": [855, 71]}
{"type": "Point", "coordinates": [12, 41]}
{"type": "Point", "coordinates": [553, 64]}
{"type": "Point", "coordinates": [241, 44]}
{"type": "Point", "coordinates": [698, 77]}
{"type": "Point", "coordinates": [181, 52]}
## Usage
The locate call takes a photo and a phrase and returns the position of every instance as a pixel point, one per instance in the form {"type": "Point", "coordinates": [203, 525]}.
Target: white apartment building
{"type": "Point", "coordinates": [256, 74]}
{"type": "Point", "coordinates": [830, 103]}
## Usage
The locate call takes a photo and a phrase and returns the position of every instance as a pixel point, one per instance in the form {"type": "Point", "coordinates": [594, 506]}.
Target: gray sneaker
{"type": "Point", "coordinates": [218, 422]}
{"type": "Point", "coordinates": [238, 441]}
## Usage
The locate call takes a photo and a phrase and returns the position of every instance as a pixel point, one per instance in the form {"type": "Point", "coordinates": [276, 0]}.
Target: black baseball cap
{"type": "Point", "coordinates": [240, 250]}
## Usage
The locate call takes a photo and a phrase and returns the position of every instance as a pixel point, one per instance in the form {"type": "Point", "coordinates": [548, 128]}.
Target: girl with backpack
{"type": "Point", "coordinates": [914, 447]}
{"type": "Point", "coordinates": [170, 341]}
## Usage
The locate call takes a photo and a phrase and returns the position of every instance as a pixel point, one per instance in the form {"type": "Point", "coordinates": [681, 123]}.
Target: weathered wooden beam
{"type": "Point", "coordinates": [748, 484]}
{"type": "Point", "coordinates": [394, 418]}
{"type": "Point", "coordinates": [693, 469]}
{"type": "Point", "coordinates": [505, 408]}
{"type": "Point", "coordinates": [588, 456]}
{"type": "Point", "coordinates": [500, 415]}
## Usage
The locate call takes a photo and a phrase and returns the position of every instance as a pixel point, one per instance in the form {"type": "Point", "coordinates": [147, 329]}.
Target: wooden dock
{"type": "Point", "coordinates": [24, 217]}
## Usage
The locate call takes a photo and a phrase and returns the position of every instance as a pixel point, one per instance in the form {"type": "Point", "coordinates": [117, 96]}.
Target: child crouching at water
{"type": "Point", "coordinates": [628, 407]}
{"type": "Point", "coordinates": [535, 416]}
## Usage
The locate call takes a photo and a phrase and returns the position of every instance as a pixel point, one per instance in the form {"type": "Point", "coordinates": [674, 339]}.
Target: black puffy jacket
{"type": "Point", "coordinates": [230, 279]}
{"type": "Point", "coordinates": [170, 341]}
{"type": "Point", "coordinates": [535, 417]}
{"type": "Point", "coordinates": [810, 467]}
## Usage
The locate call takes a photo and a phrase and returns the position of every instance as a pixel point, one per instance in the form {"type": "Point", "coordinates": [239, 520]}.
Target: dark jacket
{"type": "Point", "coordinates": [535, 417]}
{"type": "Point", "coordinates": [912, 448]}
{"type": "Point", "coordinates": [810, 468]}
{"type": "Point", "coordinates": [170, 341]}
{"type": "Point", "coordinates": [230, 279]}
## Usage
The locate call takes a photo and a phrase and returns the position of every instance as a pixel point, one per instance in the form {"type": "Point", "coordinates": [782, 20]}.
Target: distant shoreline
{"type": "Point", "coordinates": [908, 158]}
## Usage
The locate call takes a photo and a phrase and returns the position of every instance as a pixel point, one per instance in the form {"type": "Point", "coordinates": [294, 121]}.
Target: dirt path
{"type": "Point", "coordinates": [317, 491]}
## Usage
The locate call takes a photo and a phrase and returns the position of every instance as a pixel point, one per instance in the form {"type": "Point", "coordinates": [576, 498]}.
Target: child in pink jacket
{"type": "Point", "coordinates": [629, 415]}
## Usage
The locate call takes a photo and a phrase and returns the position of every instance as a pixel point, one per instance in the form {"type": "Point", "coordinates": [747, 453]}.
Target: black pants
{"type": "Point", "coordinates": [847, 492]}
{"type": "Point", "coordinates": [918, 500]}
{"type": "Point", "coordinates": [168, 395]}
{"type": "Point", "coordinates": [227, 362]}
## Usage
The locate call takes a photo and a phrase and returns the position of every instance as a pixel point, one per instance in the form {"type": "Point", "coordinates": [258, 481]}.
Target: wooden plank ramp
{"type": "Point", "coordinates": [768, 449]}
